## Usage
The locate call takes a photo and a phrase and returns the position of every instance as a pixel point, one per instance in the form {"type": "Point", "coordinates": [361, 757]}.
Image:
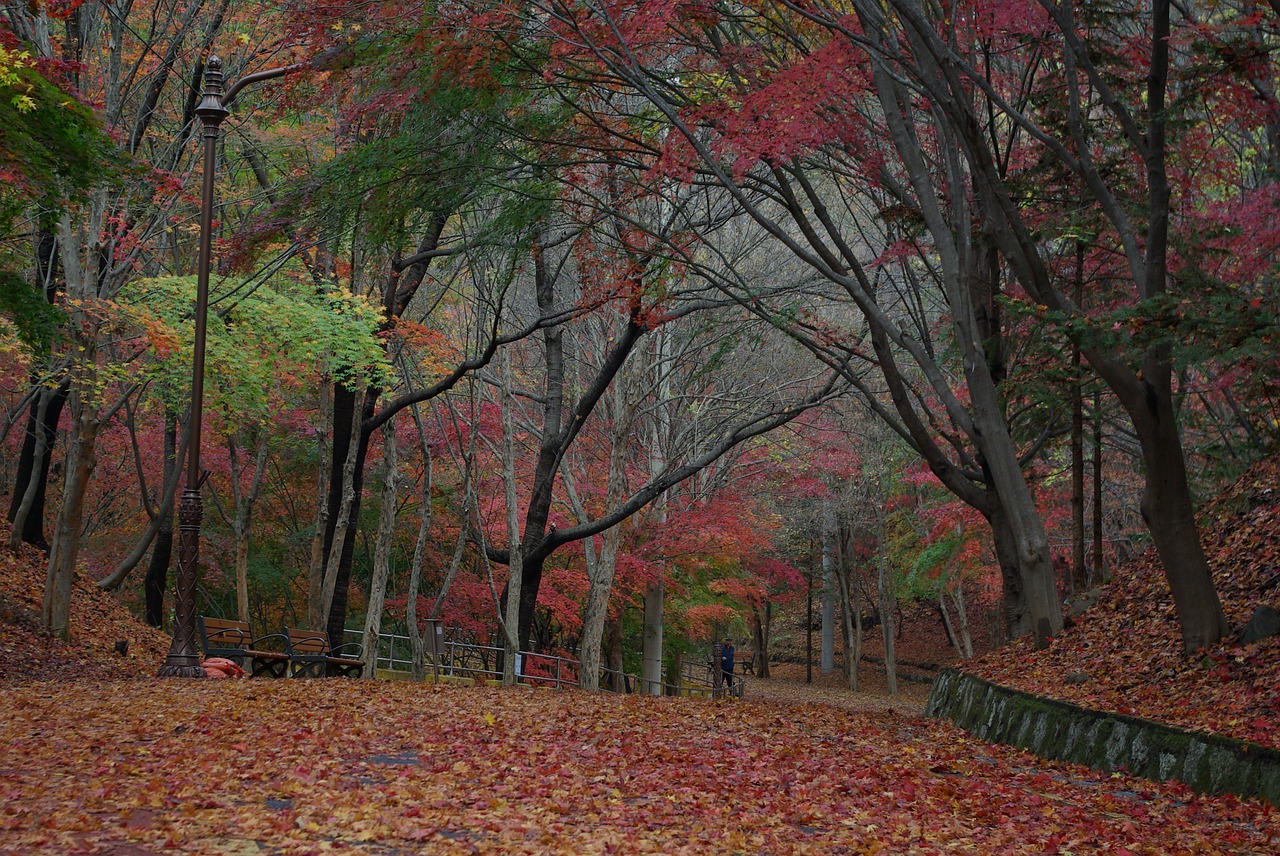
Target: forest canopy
{"type": "Point", "coordinates": [608, 329]}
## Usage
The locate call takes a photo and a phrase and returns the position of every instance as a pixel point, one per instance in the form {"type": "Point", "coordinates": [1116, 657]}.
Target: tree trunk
{"type": "Point", "coordinates": [763, 629]}
{"type": "Point", "coordinates": [603, 568]}
{"type": "Point", "coordinates": [342, 517]}
{"type": "Point", "coordinates": [23, 504]}
{"type": "Point", "coordinates": [884, 587]}
{"type": "Point", "coordinates": [346, 494]}
{"type": "Point", "coordinates": [828, 605]}
{"type": "Point", "coordinates": [946, 621]}
{"type": "Point", "coordinates": [341, 589]}
{"type": "Point", "coordinates": [962, 614]}
{"type": "Point", "coordinates": [242, 524]}
{"type": "Point", "coordinates": [511, 622]}
{"type": "Point", "coordinates": [1079, 573]}
{"type": "Point", "coordinates": [613, 650]}
{"type": "Point", "coordinates": [1167, 510]}
{"type": "Point", "coordinates": [659, 436]}
{"type": "Point", "coordinates": [856, 657]}
{"type": "Point", "coordinates": [1017, 622]}
{"type": "Point", "coordinates": [1024, 528]}
{"type": "Point", "coordinates": [32, 477]}
{"type": "Point", "coordinates": [1100, 568]}
{"type": "Point", "coordinates": [382, 552]}
{"type": "Point", "coordinates": [81, 462]}
{"type": "Point", "coordinates": [455, 565]}
{"type": "Point", "coordinates": [81, 457]}
{"type": "Point", "coordinates": [596, 613]}
{"type": "Point", "coordinates": [651, 671]}
{"type": "Point", "coordinates": [43, 416]}
{"type": "Point", "coordinates": [851, 623]}
{"type": "Point", "coordinates": [316, 614]}
{"type": "Point", "coordinates": [417, 643]}
{"type": "Point", "coordinates": [157, 576]}
{"type": "Point", "coordinates": [242, 575]}
{"type": "Point", "coordinates": [808, 627]}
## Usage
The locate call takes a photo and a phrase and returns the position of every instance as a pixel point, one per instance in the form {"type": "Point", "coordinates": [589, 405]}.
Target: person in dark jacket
{"type": "Point", "coordinates": [726, 662]}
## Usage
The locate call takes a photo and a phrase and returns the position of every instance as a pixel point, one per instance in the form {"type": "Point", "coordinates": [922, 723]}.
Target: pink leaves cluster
{"type": "Point", "coordinates": [811, 103]}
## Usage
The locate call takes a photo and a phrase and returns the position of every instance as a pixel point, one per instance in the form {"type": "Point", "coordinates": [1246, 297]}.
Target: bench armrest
{"type": "Point", "coordinates": [341, 650]}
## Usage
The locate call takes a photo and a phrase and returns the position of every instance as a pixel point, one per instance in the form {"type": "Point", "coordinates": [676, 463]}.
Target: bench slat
{"type": "Point", "coordinates": [310, 654]}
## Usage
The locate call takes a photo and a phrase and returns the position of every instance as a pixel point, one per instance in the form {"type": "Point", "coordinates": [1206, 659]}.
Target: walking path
{"type": "Point", "coordinates": [786, 685]}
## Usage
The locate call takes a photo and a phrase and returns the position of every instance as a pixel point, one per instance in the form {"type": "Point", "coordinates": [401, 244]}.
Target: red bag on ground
{"type": "Point", "coordinates": [223, 668]}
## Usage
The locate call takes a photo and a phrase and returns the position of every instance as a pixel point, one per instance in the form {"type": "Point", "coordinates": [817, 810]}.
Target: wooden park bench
{"type": "Point", "coordinates": [225, 637]}
{"type": "Point", "coordinates": [311, 657]}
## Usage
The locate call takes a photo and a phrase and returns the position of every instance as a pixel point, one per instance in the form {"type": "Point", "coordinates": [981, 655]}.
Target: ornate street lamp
{"type": "Point", "coordinates": [183, 660]}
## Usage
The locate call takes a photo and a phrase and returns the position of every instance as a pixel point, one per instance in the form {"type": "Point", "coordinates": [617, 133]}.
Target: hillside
{"type": "Point", "coordinates": [98, 622]}
{"type": "Point", "coordinates": [1125, 653]}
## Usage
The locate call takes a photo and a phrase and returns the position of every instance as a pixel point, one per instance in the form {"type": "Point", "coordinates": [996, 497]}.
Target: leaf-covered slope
{"type": "Point", "coordinates": [98, 622]}
{"type": "Point", "coordinates": [1125, 654]}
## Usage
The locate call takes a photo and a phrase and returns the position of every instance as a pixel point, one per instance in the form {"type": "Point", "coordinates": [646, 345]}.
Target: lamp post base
{"type": "Point", "coordinates": [184, 660]}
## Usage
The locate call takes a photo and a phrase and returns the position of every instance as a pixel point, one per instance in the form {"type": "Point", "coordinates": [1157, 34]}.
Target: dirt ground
{"type": "Point", "coordinates": [787, 686]}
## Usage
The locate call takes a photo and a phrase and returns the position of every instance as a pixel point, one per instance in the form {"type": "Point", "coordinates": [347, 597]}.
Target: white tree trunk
{"type": "Point", "coordinates": [417, 643]}
{"type": "Point", "coordinates": [344, 517]}
{"type": "Point", "coordinates": [601, 572]}
{"type": "Point", "coordinates": [962, 616]}
{"type": "Point", "coordinates": [244, 517]}
{"type": "Point", "coordinates": [651, 672]}
{"type": "Point", "coordinates": [317, 615]}
{"type": "Point", "coordinates": [651, 665]}
{"type": "Point", "coordinates": [81, 458]}
{"type": "Point", "coordinates": [852, 624]}
{"type": "Point", "coordinates": [828, 661]}
{"type": "Point", "coordinates": [382, 551]}
{"type": "Point", "coordinates": [80, 463]}
{"type": "Point", "coordinates": [885, 586]}
{"type": "Point", "coordinates": [515, 567]}
{"type": "Point", "coordinates": [602, 569]}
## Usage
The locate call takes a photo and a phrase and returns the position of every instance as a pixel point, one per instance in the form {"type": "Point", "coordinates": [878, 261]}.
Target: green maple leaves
{"type": "Point", "coordinates": [276, 335]}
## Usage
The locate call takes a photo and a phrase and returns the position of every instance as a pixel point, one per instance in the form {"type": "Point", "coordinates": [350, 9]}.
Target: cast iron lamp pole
{"type": "Point", "coordinates": [183, 660]}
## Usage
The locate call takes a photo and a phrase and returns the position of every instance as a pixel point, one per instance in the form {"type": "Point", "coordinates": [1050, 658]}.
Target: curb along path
{"type": "Point", "coordinates": [1059, 730]}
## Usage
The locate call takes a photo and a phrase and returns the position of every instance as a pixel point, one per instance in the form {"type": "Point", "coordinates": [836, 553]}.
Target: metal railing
{"type": "Point", "coordinates": [701, 679]}
{"type": "Point", "coordinates": [469, 660]}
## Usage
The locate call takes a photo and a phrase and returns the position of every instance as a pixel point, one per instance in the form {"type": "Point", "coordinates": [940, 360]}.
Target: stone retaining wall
{"type": "Point", "coordinates": [1105, 741]}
